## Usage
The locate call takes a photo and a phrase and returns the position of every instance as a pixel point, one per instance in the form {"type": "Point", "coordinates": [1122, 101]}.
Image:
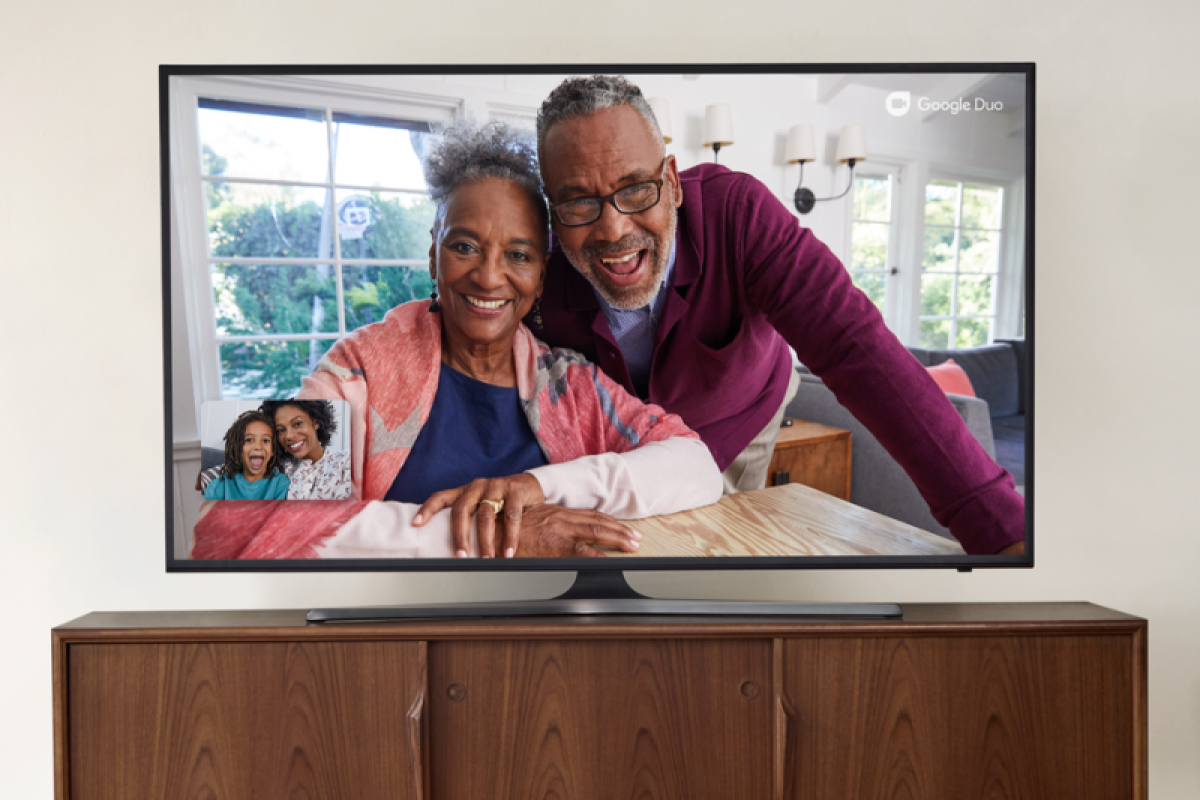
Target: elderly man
{"type": "Point", "coordinates": [687, 287]}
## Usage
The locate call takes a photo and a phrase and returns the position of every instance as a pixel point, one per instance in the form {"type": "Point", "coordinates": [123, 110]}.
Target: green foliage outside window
{"type": "Point", "coordinates": [276, 299]}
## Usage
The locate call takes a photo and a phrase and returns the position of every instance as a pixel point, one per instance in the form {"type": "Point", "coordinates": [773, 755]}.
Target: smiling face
{"type": "Point", "coordinates": [297, 433]}
{"type": "Point", "coordinates": [624, 256]}
{"type": "Point", "coordinates": [257, 448]}
{"type": "Point", "coordinates": [488, 258]}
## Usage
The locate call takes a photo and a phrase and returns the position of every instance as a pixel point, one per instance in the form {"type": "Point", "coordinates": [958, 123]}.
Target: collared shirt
{"type": "Point", "coordinates": [634, 330]}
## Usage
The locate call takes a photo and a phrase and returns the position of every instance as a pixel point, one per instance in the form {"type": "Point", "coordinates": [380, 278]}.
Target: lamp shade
{"type": "Point", "coordinates": [852, 144]}
{"type": "Point", "coordinates": [800, 146]}
{"type": "Point", "coordinates": [662, 113]}
{"type": "Point", "coordinates": [718, 125]}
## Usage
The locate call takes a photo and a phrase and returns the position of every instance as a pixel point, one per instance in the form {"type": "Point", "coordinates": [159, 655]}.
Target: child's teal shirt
{"type": "Point", "coordinates": [273, 487]}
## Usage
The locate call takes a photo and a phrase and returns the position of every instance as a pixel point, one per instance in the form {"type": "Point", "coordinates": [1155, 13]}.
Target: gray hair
{"type": "Point", "coordinates": [583, 96]}
{"type": "Point", "coordinates": [465, 153]}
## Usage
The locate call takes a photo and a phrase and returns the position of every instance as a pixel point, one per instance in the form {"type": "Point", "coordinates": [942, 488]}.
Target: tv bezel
{"type": "Point", "coordinates": [964, 563]}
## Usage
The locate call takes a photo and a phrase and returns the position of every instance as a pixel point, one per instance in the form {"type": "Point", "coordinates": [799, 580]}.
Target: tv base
{"type": "Point", "coordinates": [605, 592]}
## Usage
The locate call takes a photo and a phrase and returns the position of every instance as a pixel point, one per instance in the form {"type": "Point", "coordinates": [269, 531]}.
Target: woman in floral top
{"type": "Point", "coordinates": [303, 429]}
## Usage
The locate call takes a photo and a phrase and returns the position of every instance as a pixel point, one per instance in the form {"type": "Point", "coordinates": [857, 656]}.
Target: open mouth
{"type": "Point", "coordinates": [627, 269]}
{"type": "Point", "coordinates": [485, 305]}
{"type": "Point", "coordinates": [257, 463]}
{"type": "Point", "coordinates": [296, 447]}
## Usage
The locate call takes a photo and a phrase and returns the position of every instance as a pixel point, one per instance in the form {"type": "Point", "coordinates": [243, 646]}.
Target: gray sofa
{"type": "Point", "coordinates": [879, 483]}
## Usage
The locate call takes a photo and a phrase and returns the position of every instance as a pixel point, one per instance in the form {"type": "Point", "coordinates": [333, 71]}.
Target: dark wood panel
{"type": "Point", "coordinates": [985, 717]}
{"type": "Point", "coordinates": [250, 720]}
{"type": "Point", "coordinates": [651, 720]}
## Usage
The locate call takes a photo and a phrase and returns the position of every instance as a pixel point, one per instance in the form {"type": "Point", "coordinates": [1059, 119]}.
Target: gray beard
{"type": "Point", "coordinates": [659, 253]}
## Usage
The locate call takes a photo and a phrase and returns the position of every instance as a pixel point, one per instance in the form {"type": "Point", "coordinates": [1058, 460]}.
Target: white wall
{"type": "Point", "coordinates": [1117, 310]}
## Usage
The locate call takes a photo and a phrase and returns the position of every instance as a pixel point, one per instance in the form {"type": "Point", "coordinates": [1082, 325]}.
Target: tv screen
{"type": "Point", "coordinates": [759, 316]}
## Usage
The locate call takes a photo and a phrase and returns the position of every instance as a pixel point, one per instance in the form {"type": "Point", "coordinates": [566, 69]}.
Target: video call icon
{"type": "Point", "coordinates": [898, 103]}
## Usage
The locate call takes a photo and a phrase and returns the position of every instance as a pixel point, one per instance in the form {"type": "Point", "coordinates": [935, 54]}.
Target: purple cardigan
{"type": "Point", "coordinates": [748, 280]}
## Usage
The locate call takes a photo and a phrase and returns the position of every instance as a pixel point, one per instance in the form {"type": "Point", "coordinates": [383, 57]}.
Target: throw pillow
{"type": "Point", "coordinates": [951, 378]}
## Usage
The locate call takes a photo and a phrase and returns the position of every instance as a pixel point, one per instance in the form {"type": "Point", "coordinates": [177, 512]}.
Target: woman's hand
{"type": "Point", "coordinates": [556, 531]}
{"type": "Point", "coordinates": [516, 492]}
{"type": "Point", "coordinates": [550, 531]}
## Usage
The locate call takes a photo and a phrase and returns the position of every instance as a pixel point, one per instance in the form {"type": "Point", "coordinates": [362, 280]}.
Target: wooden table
{"type": "Point", "coordinates": [813, 454]}
{"type": "Point", "coordinates": [788, 520]}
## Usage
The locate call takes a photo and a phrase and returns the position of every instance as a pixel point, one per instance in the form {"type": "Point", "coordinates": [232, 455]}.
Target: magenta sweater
{"type": "Point", "coordinates": [749, 280]}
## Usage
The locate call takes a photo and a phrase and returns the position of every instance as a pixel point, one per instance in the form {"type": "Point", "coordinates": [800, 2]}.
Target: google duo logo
{"type": "Point", "coordinates": [898, 103]}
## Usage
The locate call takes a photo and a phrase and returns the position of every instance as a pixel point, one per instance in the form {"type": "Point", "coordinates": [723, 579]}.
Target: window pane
{"type": "Point", "coordinates": [982, 206]}
{"type": "Point", "coordinates": [935, 295]}
{"type": "Point", "coordinates": [372, 155]}
{"type": "Point", "coordinates": [973, 332]}
{"type": "Point", "coordinates": [267, 369]}
{"type": "Point", "coordinates": [258, 300]}
{"type": "Point", "coordinates": [385, 225]}
{"type": "Point", "coordinates": [873, 285]}
{"type": "Point", "coordinates": [941, 203]}
{"type": "Point", "coordinates": [939, 250]}
{"type": "Point", "coordinates": [935, 334]}
{"type": "Point", "coordinates": [255, 221]}
{"type": "Point", "coordinates": [264, 145]}
{"type": "Point", "coordinates": [974, 295]}
{"type": "Point", "coordinates": [868, 246]}
{"type": "Point", "coordinates": [980, 251]}
{"type": "Point", "coordinates": [871, 199]}
{"type": "Point", "coordinates": [372, 291]}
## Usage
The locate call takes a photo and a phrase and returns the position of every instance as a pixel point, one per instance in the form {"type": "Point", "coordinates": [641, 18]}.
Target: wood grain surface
{"type": "Point", "coordinates": [250, 720]}
{"type": "Point", "coordinates": [790, 520]}
{"type": "Point", "coordinates": [990, 718]}
{"type": "Point", "coordinates": [582, 720]}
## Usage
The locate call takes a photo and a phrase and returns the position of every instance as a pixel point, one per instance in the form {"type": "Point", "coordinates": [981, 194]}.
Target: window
{"type": "Point", "coordinates": [317, 223]}
{"type": "Point", "coordinates": [960, 263]}
{"type": "Point", "coordinates": [870, 237]}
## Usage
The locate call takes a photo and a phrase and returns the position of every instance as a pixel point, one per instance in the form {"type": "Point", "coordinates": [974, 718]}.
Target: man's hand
{"type": "Point", "coordinates": [1017, 549]}
{"type": "Point", "coordinates": [517, 492]}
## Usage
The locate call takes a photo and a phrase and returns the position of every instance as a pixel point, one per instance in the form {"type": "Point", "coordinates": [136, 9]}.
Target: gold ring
{"type": "Point", "coordinates": [497, 505]}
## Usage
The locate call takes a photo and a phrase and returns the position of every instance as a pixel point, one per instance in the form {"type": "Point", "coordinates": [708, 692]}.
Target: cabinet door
{"type": "Point", "coordinates": [245, 720]}
{"type": "Point", "coordinates": [959, 717]}
{"type": "Point", "coordinates": [645, 719]}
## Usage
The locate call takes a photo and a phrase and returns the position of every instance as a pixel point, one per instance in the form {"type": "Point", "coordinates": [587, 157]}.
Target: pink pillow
{"type": "Point", "coordinates": [951, 379]}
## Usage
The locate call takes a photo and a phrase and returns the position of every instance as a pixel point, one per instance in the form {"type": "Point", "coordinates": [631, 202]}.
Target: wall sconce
{"type": "Point", "coordinates": [852, 148]}
{"type": "Point", "coordinates": [662, 113]}
{"type": "Point", "coordinates": [718, 128]}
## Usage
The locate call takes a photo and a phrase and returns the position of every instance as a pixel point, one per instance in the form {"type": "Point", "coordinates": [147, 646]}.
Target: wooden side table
{"type": "Point", "coordinates": [812, 454]}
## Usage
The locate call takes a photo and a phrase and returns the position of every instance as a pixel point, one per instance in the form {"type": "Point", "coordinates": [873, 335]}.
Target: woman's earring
{"type": "Point", "coordinates": [537, 313]}
{"type": "Point", "coordinates": [434, 305]}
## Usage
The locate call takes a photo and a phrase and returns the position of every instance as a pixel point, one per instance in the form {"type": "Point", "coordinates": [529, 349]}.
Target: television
{"type": "Point", "coordinates": [836, 272]}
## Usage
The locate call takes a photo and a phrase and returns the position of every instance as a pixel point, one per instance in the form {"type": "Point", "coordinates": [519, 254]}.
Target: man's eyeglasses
{"type": "Point", "coordinates": [633, 199]}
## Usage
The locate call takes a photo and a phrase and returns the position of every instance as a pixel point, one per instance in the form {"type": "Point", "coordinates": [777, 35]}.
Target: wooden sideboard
{"type": "Point", "coordinates": [952, 701]}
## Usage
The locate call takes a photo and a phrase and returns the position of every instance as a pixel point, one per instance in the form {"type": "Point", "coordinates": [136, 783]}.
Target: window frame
{"type": "Point", "coordinates": [899, 274]}
{"type": "Point", "coordinates": [1008, 291]}
{"type": "Point", "coordinates": [191, 268]}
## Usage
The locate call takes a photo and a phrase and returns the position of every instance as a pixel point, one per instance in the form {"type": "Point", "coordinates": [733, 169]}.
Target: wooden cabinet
{"type": "Point", "coordinates": [952, 701]}
{"type": "Point", "coordinates": [812, 454]}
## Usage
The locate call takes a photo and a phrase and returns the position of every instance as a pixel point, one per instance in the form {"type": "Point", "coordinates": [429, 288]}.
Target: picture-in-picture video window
{"type": "Point", "coordinates": [682, 315]}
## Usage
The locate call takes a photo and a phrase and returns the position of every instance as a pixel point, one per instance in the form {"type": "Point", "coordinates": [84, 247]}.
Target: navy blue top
{"type": "Point", "coordinates": [474, 430]}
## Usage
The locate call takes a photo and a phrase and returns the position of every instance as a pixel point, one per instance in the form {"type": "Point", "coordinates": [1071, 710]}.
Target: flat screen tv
{"type": "Point", "coordinates": [678, 316]}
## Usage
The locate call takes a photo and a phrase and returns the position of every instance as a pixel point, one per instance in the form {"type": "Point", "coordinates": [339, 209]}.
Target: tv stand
{"type": "Point", "coordinates": [605, 591]}
{"type": "Point", "coordinates": [1029, 700]}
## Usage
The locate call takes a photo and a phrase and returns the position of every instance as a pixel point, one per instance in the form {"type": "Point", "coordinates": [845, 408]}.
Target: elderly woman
{"type": "Point", "coordinates": [455, 404]}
